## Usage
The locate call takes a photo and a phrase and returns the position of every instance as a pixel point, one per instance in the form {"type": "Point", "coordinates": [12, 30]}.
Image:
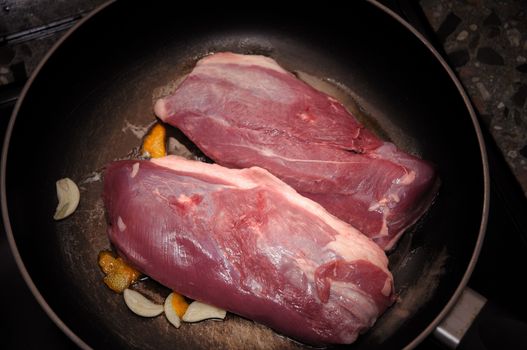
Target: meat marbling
{"type": "Point", "coordinates": [245, 110]}
{"type": "Point", "coordinates": [245, 241]}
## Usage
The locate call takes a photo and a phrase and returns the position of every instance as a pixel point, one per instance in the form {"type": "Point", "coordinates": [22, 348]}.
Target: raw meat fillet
{"type": "Point", "coordinates": [244, 241]}
{"type": "Point", "coordinates": [243, 110]}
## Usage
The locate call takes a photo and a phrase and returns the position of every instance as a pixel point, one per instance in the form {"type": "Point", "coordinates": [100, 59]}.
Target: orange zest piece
{"type": "Point", "coordinates": [179, 304]}
{"type": "Point", "coordinates": [154, 144]}
{"type": "Point", "coordinates": [106, 261]}
{"type": "Point", "coordinates": [119, 275]}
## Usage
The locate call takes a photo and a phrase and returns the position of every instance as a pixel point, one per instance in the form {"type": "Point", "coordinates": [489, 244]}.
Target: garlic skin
{"type": "Point", "coordinates": [170, 313]}
{"type": "Point", "coordinates": [68, 195]}
{"type": "Point", "coordinates": [198, 311]}
{"type": "Point", "coordinates": [140, 305]}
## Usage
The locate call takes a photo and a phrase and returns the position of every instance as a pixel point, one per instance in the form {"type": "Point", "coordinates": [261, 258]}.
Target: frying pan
{"type": "Point", "coordinates": [90, 100]}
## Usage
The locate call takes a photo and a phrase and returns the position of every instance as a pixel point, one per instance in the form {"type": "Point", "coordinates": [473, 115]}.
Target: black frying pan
{"type": "Point", "coordinates": [80, 109]}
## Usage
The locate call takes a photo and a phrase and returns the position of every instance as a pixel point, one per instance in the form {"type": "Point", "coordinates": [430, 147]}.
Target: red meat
{"type": "Point", "coordinates": [244, 241]}
{"type": "Point", "coordinates": [244, 111]}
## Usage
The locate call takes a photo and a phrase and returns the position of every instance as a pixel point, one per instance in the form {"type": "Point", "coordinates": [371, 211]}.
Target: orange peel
{"type": "Point", "coordinates": [154, 144]}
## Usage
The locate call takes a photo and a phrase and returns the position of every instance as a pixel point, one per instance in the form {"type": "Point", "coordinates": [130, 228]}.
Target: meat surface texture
{"type": "Point", "coordinates": [244, 110]}
{"type": "Point", "coordinates": [245, 241]}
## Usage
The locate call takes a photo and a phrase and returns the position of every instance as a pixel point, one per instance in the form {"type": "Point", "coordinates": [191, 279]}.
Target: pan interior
{"type": "Point", "coordinates": [92, 103]}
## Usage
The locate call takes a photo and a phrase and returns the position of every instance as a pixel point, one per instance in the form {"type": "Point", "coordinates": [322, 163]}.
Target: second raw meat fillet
{"type": "Point", "coordinates": [246, 242]}
{"type": "Point", "coordinates": [245, 110]}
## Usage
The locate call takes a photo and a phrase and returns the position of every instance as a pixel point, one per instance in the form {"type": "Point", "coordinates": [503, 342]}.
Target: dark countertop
{"type": "Point", "coordinates": [486, 43]}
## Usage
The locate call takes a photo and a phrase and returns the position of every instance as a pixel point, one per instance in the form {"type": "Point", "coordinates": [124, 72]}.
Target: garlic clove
{"type": "Point", "coordinates": [68, 196]}
{"type": "Point", "coordinates": [170, 313]}
{"type": "Point", "coordinates": [140, 305]}
{"type": "Point", "coordinates": [198, 311]}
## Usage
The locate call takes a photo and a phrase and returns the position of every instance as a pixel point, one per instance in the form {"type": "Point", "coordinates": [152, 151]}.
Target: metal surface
{"type": "Point", "coordinates": [93, 106]}
{"type": "Point", "coordinates": [454, 326]}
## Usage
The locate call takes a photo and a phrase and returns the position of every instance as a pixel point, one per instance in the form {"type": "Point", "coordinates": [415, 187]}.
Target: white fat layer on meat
{"type": "Point", "coordinates": [260, 84]}
{"type": "Point", "coordinates": [270, 153]}
{"type": "Point", "coordinates": [387, 288]}
{"type": "Point", "coordinates": [135, 170]}
{"type": "Point", "coordinates": [231, 178]}
{"type": "Point", "coordinates": [306, 117]}
{"type": "Point", "coordinates": [223, 122]}
{"type": "Point", "coordinates": [406, 179]}
{"type": "Point", "coordinates": [160, 109]}
{"type": "Point", "coordinates": [350, 297]}
{"type": "Point", "coordinates": [394, 239]}
{"type": "Point", "coordinates": [346, 294]}
{"type": "Point", "coordinates": [384, 227]}
{"type": "Point", "coordinates": [243, 60]}
{"type": "Point", "coordinates": [351, 250]}
{"type": "Point", "coordinates": [184, 199]}
{"type": "Point", "coordinates": [120, 224]}
{"type": "Point", "coordinates": [266, 152]}
{"type": "Point", "coordinates": [375, 207]}
{"type": "Point", "coordinates": [253, 177]}
{"type": "Point", "coordinates": [308, 266]}
{"type": "Point", "coordinates": [383, 208]}
{"type": "Point", "coordinates": [158, 196]}
{"type": "Point", "coordinates": [252, 284]}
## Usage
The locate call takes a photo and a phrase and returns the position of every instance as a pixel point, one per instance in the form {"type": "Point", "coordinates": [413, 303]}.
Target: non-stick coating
{"type": "Point", "coordinates": [85, 104]}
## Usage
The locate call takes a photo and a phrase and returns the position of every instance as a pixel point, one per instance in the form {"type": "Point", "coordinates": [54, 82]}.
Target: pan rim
{"type": "Point", "coordinates": [486, 176]}
{"type": "Point", "coordinates": [422, 335]}
{"type": "Point", "coordinates": [5, 212]}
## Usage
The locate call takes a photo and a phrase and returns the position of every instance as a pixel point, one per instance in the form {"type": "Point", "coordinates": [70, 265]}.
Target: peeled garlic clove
{"type": "Point", "coordinates": [140, 305]}
{"type": "Point", "coordinates": [198, 311]}
{"type": "Point", "coordinates": [170, 313]}
{"type": "Point", "coordinates": [68, 195]}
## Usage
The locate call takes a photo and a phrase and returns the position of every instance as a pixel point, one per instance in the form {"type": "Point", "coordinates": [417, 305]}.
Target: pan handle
{"type": "Point", "coordinates": [475, 323]}
{"type": "Point", "coordinates": [458, 321]}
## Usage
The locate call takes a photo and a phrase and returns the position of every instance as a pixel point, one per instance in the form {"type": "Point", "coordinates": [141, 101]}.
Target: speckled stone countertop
{"type": "Point", "coordinates": [486, 43]}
